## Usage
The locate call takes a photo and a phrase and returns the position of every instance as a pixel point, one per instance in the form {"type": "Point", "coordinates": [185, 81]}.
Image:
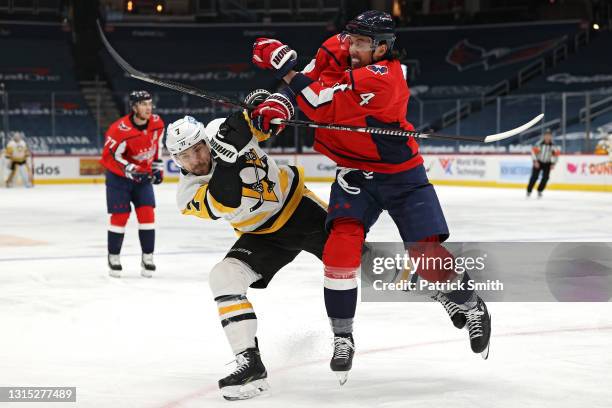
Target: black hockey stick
{"type": "Point", "coordinates": [134, 73]}
{"type": "Point", "coordinates": [407, 133]}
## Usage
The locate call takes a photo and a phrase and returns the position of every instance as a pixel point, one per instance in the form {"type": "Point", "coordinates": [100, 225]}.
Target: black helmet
{"type": "Point", "coordinates": [139, 96]}
{"type": "Point", "coordinates": [377, 25]}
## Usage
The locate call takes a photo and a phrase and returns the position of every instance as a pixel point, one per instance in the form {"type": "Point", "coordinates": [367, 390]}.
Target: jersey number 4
{"type": "Point", "coordinates": [365, 98]}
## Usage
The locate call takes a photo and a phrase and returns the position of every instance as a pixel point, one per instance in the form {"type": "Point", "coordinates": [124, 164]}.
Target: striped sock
{"type": "Point", "coordinates": [238, 320]}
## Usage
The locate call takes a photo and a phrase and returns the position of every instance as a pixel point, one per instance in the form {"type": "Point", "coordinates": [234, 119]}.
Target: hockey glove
{"type": "Point", "coordinates": [158, 172]}
{"type": "Point", "coordinates": [135, 173]}
{"type": "Point", "coordinates": [272, 54]}
{"type": "Point", "coordinates": [233, 135]}
{"type": "Point", "coordinates": [276, 106]}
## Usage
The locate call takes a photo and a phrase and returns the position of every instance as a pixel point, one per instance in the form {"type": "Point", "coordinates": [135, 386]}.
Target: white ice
{"type": "Point", "coordinates": [156, 343]}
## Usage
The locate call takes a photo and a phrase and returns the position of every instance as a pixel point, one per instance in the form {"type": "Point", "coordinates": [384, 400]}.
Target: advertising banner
{"type": "Point", "coordinates": [572, 172]}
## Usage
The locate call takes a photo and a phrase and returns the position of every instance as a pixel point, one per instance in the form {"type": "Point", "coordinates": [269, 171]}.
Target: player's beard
{"type": "Point", "coordinates": [144, 117]}
{"type": "Point", "coordinates": [203, 167]}
{"type": "Point", "coordinates": [357, 62]}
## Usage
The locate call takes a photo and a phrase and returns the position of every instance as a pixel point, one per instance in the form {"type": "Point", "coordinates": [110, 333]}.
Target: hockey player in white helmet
{"type": "Point", "coordinates": [225, 174]}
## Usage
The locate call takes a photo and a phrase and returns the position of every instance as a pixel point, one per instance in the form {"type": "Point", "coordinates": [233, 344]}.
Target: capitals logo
{"type": "Point", "coordinates": [378, 69]}
{"type": "Point", "coordinates": [447, 165]}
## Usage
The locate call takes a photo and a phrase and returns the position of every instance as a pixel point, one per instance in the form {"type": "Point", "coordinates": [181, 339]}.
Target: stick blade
{"type": "Point", "coordinates": [513, 132]}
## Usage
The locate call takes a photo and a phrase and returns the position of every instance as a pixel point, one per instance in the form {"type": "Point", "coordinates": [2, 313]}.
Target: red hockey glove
{"type": "Point", "coordinates": [272, 54]}
{"type": "Point", "coordinates": [276, 106]}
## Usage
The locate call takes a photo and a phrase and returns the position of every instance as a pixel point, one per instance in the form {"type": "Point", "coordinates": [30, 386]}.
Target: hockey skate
{"type": "Point", "coordinates": [114, 265]}
{"type": "Point", "coordinates": [342, 360]}
{"type": "Point", "coordinates": [456, 314]}
{"type": "Point", "coordinates": [248, 379]}
{"type": "Point", "coordinates": [479, 327]}
{"type": "Point", "coordinates": [147, 266]}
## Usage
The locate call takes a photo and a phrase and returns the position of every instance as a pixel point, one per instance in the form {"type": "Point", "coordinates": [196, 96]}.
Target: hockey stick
{"type": "Point", "coordinates": [407, 133]}
{"type": "Point", "coordinates": [134, 73]}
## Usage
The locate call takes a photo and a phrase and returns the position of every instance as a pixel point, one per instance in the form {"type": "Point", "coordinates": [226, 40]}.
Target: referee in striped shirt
{"type": "Point", "coordinates": [544, 155]}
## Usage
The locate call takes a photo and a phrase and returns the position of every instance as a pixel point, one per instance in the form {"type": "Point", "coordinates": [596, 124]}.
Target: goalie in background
{"type": "Point", "coordinates": [18, 156]}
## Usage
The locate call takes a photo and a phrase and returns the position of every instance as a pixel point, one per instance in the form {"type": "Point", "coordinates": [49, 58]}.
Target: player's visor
{"type": "Point", "coordinates": [357, 42]}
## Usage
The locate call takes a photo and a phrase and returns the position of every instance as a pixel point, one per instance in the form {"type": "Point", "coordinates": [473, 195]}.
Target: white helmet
{"type": "Point", "coordinates": [183, 134]}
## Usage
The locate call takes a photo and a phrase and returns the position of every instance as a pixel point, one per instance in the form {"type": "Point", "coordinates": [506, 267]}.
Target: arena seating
{"type": "Point", "coordinates": [38, 73]}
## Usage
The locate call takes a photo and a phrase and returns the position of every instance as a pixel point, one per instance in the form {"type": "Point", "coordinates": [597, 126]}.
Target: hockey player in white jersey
{"type": "Point", "coordinates": [225, 174]}
{"type": "Point", "coordinates": [17, 155]}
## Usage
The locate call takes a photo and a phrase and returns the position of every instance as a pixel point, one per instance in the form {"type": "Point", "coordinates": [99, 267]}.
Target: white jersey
{"type": "Point", "coordinates": [17, 151]}
{"type": "Point", "coordinates": [270, 193]}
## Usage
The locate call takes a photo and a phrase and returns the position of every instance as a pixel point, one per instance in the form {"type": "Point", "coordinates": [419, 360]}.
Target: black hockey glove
{"type": "Point", "coordinates": [233, 135]}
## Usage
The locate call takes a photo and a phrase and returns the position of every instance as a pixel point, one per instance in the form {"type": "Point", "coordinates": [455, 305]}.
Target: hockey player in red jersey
{"type": "Point", "coordinates": [131, 157]}
{"type": "Point", "coordinates": [355, 80]}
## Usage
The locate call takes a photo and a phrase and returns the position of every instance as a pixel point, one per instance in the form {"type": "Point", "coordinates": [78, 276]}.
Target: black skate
{"type": "Point", "coordinates": [456, 314]}
{"type": "Point", "coordinates": [479, 327]}
{"type": "Point", "coordinates": [249, 378]}
{"type": "Point", "coordinates": [114, 265]}
{"type": "Point", "coordinates": [147, 267]}
{"type": "Point", "coordinates": [342, 360]}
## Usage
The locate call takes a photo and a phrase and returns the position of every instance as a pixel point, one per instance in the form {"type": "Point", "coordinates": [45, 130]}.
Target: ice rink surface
{"type": "Point", "coordinates": [133, 342]}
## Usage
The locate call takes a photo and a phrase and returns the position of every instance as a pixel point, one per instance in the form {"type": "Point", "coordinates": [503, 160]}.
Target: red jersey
{"type": "Point", "coordinates": [127, 143]}
{"type": "Point", "coordinates": [331, 61]}
{"type": "Point", "coordinates": [374, 95]}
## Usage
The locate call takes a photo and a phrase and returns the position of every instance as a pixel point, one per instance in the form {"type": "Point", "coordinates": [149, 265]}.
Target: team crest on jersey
{"type": "Point", "coordinates": [145, 154]}
{"type": "Point", "coordinates": [378, 69]}
{"type": "Point", "coordinates": [124, 127]}
{"type": "Point", "coordinates": [255, 181]}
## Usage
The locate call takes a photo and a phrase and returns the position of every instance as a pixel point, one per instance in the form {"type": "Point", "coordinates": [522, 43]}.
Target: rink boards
{"type": "Point", "coordinates": [572, 172]}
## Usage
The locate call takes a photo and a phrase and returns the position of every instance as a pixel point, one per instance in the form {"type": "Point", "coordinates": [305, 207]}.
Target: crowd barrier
{"type": "Point", "coordinates": [572, 172]}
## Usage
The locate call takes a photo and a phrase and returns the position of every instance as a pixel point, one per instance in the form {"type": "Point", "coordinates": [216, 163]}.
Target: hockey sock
{"type": "Point", "coordinates": [431, 248]}
{"type": "Point", "coordinates": [342, 259]}
{"type": "Point", "coordinates": [116, 232]}
{"type": "Point", "coordinates": [146, 228]}
{"type": "Point", "coordinates": [238, 320]}
{"type": "Point", "coordinates": [466, 298]}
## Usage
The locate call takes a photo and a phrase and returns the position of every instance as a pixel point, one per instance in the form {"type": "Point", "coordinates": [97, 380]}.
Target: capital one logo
{"type": "Point", "coordinates": [447, 165]}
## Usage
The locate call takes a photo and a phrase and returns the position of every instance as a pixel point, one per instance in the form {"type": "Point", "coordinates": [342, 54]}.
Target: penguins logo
{"type": "Point", "coordinates": [261, 187]}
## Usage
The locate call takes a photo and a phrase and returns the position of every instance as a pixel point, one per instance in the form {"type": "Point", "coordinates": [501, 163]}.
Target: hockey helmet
{"type": "Point", "coordinates": [377, 25]}
{"type": "Point", "coordinates": [139, 96]}
{"type": "Point", "coordinates": [184, 134]}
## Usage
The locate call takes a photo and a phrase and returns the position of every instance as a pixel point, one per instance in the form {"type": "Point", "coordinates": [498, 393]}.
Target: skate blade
{"type": "Point", "coordinates": [146, 273]}
{"type": "Point", "coordinates": [114, 274]}
{"type": "Point", "coordinates": [485, 353]}
{"type": "Point", "coordinates": [246, 391]}
{"type": "Point", "coordinates": [342, 376]}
